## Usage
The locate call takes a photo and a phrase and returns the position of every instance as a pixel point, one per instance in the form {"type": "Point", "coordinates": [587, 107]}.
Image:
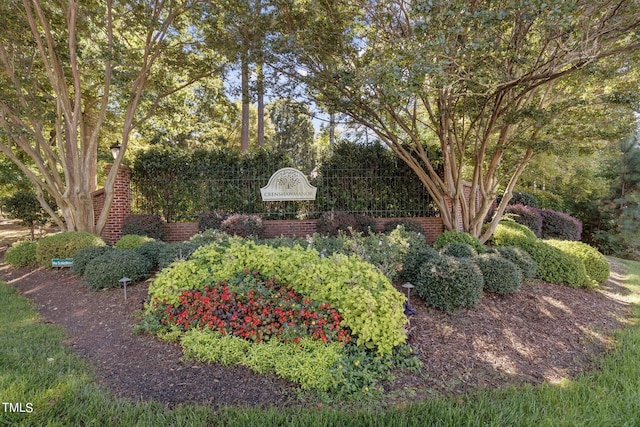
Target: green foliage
{"type": "Point", "coordinates": [596, 264]}
{"type": "Point", "coordinates": [293, 131]}
{"type": "Point", "coordinates": [408, 225]}
{"type": "Point", "coordinates": [510, 233]}
{"type": "Point", "coordinates": [308, 363]}
{"type": "Point", "coordinates": [144, 225]}
{"type": "Point", "coordinates": [106, 270]}
{"type": "Point", "coordinates": [64, 245]}
{"type": "Point", "coordinates": [172, 252]}
{"type": "Point", "coordinates": [450, 283]}
{"type": "Point", "coordinates": [132, 241]}
{"type": "Point", "coordinates": [21, 254]}
{"type": "Point", "coordinates": [521, 258]}
{"type": "Point", "coordinates": [85, 255]}
{"type": "Point", "coordinates": [243, 225]}
{"type": "Point", "coordinates": [458, 250]}
{"type": "Point", "coordinates": [24, 205]}
{"type": "Point", "coordinates": [211, 219]}
{"type": "Point", "coordinates": [151, 251]}
{"type": "Point", "coordinates": [459, 237]}
{"type": "Point", "coordinates": [209, 236]}
{"type": "Point", "coordinates": [499, 274]}
{"type": "Point", "coordinates": [414, 259]}
{"type": "Point", "coordinates": [366, 299]}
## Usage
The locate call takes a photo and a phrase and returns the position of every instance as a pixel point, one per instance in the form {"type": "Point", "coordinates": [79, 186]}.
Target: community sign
{"type": "Point", "coordinates": [288, 184]}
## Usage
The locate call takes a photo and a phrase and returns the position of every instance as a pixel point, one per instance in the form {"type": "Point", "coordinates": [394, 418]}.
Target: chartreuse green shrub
{"type": "Point", "coordinates": [450, 236]}
{"type": "Point", "coordinates": [450, 283]}
{"type": "Point", "coordinates": [85, 255]}
{"type": "Point", "coordinates": [499, 274]}
{"type": "Point", "coordinates": [21, 254]}
{"type": "Point", "coordinates": [554, 265]}
{"type": "Point", "coordinates": [368, 302]}
{"type": "Point", "coordinates": [132, 241]}
{"type": "Point", "coordinates": [106, 270]}
{"type": "Point", "coordinates": [64, 245]}
{"type": "Point", "coordinates": [595, 263]}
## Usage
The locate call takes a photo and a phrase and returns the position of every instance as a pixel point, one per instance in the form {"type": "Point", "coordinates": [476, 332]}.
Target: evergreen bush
{"type": "Point", "coordinates": [132, 241]}
{"type": "Point", "coordinates": [450, 283]}
{"type": "Point", "coordinates": [64, 245]}
{"type": "Point", "coordinates": [459, 237]}
{"type": "Point", "coordinates": [596, 264]}
{"type": "Point", "coordinates": [243, 225]}
{"type": "Point", "coordinates": [106, 270]}
{"type": "Point", "coordinates": [459, 250]}
{"type": "Point", "coordinates": [408, 224]}
{"type": "Point", "coordinates": [171, 252]}
{"type": "Point", "coordinates": [330, 223]}
{"type": "Point", "coordinates": [85, 255]}
{"type": "Point", "coordinates": [500, 275]}
{"type": "Point", "coordinates": [151, 251]}
{"type": "Point", "coordinates": [510, 233]}
{"type": "Point", "coordinates": [149, 225]}
{"type": "Point", "coordinates": [414, 259]}
{"type": "Point", "coordinates": [22, 254]}
{"type": "Point", "coordinates": [521, 258]}
{"type": "Point", "coordinates": [559, 225]}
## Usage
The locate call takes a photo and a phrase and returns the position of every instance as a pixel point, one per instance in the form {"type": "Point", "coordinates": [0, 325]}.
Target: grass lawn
{"type": "Point", "coordinates": [42, 378]}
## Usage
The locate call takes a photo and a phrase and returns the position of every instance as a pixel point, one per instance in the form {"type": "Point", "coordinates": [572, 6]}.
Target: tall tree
{"type": "Point", "coordinates": [478, 81]}
{"type": "Point", "coordinates": [293, 131]}
{"type": "Point", "coordinates": [69, 69]}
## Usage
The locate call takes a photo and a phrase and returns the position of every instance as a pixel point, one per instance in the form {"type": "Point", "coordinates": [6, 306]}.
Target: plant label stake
{"type": "Point", "coordinates": [124, 282]}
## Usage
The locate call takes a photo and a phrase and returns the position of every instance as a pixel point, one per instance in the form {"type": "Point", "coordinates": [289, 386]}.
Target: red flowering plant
{"type": "Point", "coordinates": [256, 309]}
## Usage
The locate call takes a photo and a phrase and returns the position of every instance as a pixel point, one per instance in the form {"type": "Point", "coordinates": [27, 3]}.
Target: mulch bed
{"type": "Point", "coordinates": [542, 333]}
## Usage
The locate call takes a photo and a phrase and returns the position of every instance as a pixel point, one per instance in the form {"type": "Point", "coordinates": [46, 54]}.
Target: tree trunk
{"type": "Point", "coordinates": [260, 94]}
{"type": "Point", "coordinates": [244, 132]}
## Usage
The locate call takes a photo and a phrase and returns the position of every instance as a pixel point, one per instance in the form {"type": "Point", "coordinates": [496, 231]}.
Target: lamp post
{"type": "Point", "coordinates": [115, 150]}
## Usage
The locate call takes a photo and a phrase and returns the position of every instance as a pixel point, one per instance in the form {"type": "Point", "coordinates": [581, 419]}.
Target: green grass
{"type": "Point", "coordinates": [36, 368]}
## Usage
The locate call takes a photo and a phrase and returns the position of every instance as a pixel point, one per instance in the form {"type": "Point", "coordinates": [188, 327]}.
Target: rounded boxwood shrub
{"type": "Point", "coordinates": [521, 258]}
{"type": "Point", "coordinates": [450, 283]}
{"type": "Point", "coordinates": [243, 225]}
{"type": "Point", "coordinates": [21, 254]}
{"type": "Point", "coordinates": [414, 259]}
{"type": "Point", "coordinates": [556, 266]}
{"type": "Point", "coordinates": [596, 264]}
{"type": "Point", "coordinates": [132, 241]}
{"type": "Point", "coordinates": [151, 251]}
{"type": "Point", "coordinates": [106, 270]}
{"type": "Point", "coordinates": [559, 225]}
{"type": "Point", "coordinates": [211, 220]}
{"type": "Point", "coordinates": [499, 274]}
{"type": "Point", "coordinates": [64, 245]}
{"type": "Point", "coordinates": [458, 237]}
{"type": "Point", "coordinates": [85, 255]}
{"type": "Point", "coordinates": [150, 225]}
{"type": "Point", "coordinates": [510, 233]}
{"type": "Point", "coordinates": [459, 250]}
{"type": "Point", "coordinates": [408, 224]}
{"type": "Point", "coordinates": [528, 216]}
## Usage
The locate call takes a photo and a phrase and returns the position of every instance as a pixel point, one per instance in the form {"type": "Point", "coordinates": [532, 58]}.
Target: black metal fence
{"type": "Point", "coordinates": [366, 190]}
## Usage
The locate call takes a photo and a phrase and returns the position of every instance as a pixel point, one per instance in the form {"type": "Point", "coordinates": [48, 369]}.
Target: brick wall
{"type": "Point", "coordinates": [120, 207]}
{"type": "Point", "coordinates": [180, 231]}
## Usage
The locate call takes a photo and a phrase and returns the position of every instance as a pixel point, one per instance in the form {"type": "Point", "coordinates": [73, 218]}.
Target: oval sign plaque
{"type": "Point", "coordinates": [288, 184]}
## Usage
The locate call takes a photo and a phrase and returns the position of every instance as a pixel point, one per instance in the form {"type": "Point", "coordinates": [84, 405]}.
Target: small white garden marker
{"type": "Point", "coordinates": [124, 281]}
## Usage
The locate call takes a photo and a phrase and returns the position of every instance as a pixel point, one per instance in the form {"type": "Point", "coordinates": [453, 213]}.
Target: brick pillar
{"type": "Point", "coordinates": [120, 207]}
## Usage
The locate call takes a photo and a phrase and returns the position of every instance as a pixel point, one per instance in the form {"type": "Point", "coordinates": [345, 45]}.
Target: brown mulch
{"type": "Point", "coordinates": [542, 333]}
